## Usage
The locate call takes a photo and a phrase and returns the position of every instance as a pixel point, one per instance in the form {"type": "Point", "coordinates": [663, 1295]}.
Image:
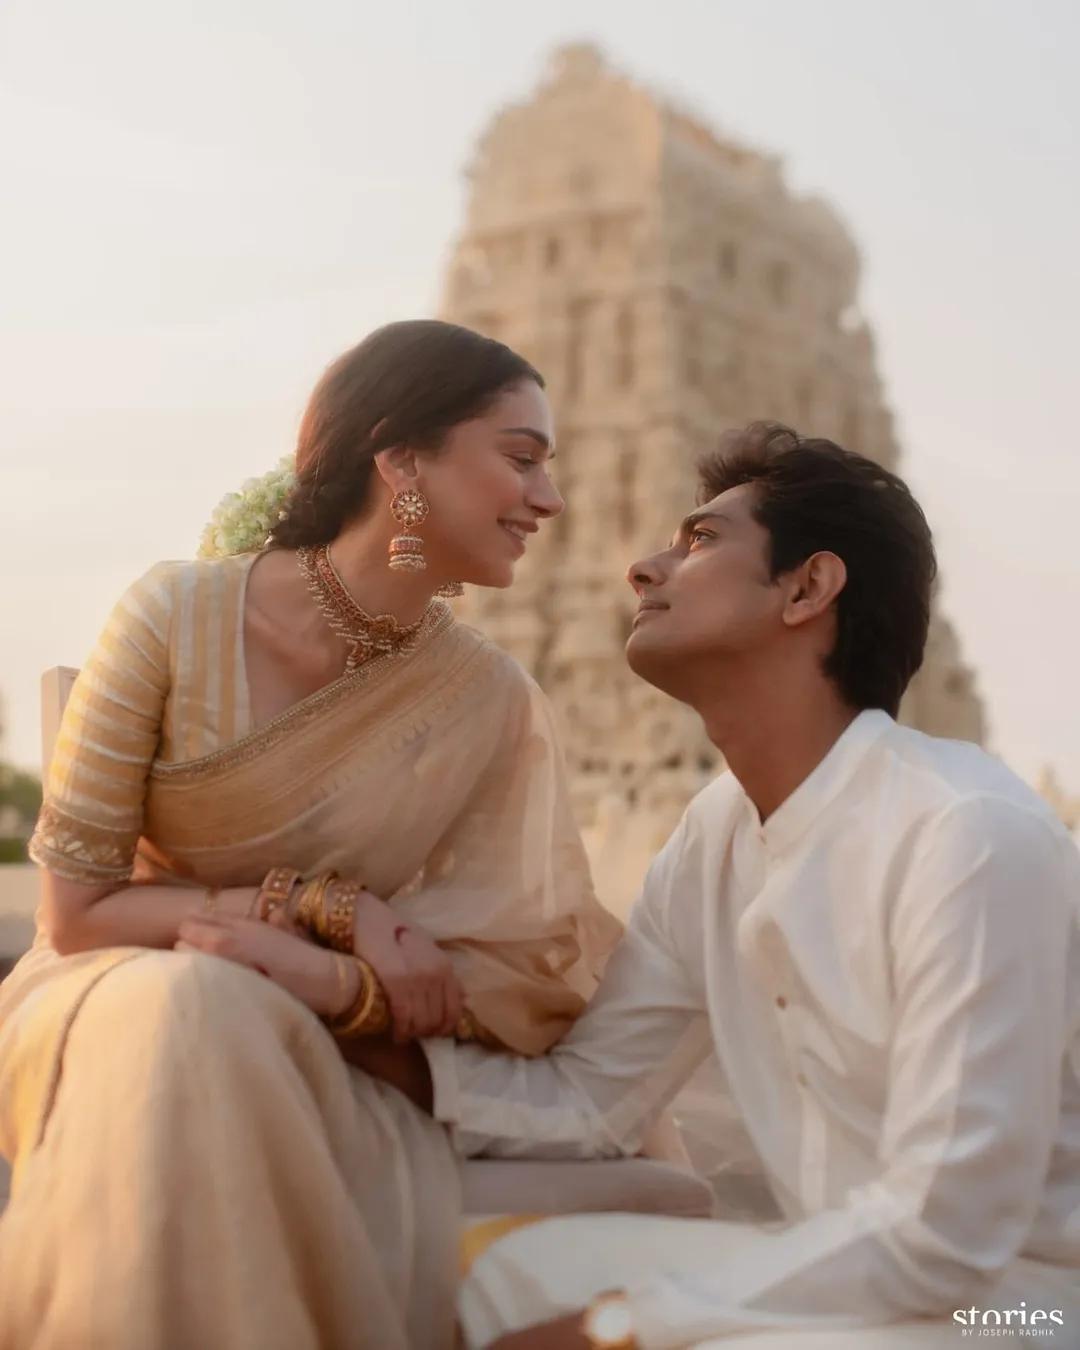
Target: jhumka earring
{"type": "Point", "coordinates": [453, 590]}
{"type": "Point", "coordinates": [410, 509]}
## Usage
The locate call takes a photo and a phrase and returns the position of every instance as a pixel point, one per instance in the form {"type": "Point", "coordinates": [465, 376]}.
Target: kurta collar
{"type": "Point", "coordinates": [814, 794]}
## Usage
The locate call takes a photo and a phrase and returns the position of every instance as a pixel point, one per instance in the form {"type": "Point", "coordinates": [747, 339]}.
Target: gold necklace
{"type": "Point", "coordinates": [365, 635]}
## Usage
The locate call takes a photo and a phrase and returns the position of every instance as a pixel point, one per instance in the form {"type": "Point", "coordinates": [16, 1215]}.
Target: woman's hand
{"type": "Point", "coordinates": [416, 975]}
{"type": "Point", "coordinates": [308, 972]}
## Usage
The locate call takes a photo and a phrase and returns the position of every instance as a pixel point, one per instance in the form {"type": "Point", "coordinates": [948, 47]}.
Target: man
{"type": "Point", "coordinates": [875, 932]}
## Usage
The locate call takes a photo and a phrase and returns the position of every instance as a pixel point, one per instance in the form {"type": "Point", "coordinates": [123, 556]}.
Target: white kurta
{"type": "Point", "coordinates": [888, 972]}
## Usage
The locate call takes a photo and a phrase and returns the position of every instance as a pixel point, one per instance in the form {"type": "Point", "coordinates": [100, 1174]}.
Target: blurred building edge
{"type": "Point", "coordinates": [668, 284]}
{"type": "Point", "coordinates": [1067, 808]}
{"type": "Point", "coordinates": [20, 801]}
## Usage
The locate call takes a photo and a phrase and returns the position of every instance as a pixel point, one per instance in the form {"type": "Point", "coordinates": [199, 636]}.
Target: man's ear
{"type": "Point", "coordinates": [397, 467]}
{"type": "Point", "coordinates": [812, 587]}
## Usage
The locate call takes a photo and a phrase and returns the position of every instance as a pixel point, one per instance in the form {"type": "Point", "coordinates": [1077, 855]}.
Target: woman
{"type": "Point", "coordinates": [303, 735]}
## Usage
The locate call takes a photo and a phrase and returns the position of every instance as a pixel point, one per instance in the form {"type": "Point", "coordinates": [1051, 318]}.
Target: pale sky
{"type": "Point", "coordinates": [202, 204]}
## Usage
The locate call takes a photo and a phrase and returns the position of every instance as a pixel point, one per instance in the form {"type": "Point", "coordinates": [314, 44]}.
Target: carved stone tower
{"type": "Point", "coordinates": [668, 284]}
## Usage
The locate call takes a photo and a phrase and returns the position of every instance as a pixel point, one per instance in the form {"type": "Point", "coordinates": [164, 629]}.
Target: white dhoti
{"type": "Point", "coordinates": [552, 1267]}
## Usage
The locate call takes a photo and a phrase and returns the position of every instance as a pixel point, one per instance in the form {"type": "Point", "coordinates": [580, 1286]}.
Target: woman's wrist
{"type": "Point", "coordinates": [364, 905]}
{"type": "Point", "coordinates": [235, 901]}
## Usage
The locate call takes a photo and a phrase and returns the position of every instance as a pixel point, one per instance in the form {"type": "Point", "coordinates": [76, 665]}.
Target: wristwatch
{"type": "Point", "coordinates": [609, 1323]}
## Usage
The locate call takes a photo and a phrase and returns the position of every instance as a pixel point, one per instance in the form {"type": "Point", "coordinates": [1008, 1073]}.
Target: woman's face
{"type": "Point", "coordinates": [490, 489]}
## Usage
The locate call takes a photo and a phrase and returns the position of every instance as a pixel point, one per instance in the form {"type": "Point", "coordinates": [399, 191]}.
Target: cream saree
{"type": "Point", "coordinates": [436, 779]}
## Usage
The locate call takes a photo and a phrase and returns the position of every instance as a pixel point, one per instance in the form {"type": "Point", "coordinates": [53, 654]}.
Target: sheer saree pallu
{"type": "Point", "coordinates": [439, 787]}
{"type": "Point", "coordinates": [195, 1165]}
{"type": "Point", "coordinates": [434, 777]}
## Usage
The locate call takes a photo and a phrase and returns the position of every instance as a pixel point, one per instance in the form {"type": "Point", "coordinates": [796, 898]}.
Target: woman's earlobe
{"type": "Point", "coordinates": [396, 466]}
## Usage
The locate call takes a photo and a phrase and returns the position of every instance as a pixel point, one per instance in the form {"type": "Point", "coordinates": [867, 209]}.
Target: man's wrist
{"type": "Point", "coordinates": [440, 1052]}
{"type": "Point", "coordinates": [608, 1323]}
{"type": "Point", "coordinates": [402, 1066]}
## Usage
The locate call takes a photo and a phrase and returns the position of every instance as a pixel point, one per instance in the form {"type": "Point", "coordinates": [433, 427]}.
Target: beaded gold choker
{"type": "Point", "coordinates": [365, 635]}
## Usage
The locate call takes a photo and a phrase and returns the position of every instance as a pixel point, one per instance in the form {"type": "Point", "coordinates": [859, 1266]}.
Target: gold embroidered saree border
{"type": "Point", "coordinates": [272, 784]}
{"type": "Point", "coordinates": [263, 738]}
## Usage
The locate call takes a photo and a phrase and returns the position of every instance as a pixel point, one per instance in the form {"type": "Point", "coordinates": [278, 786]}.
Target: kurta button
{"type": "Point", "coordinates": [781, 1001]}
{"type": "Point", "coordinates": [800, 1078]}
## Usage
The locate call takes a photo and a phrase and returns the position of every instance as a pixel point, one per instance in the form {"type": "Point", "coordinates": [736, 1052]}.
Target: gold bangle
{"type": "Point", "coordinates": [338, 919]}
{"type": "Point", "coordinates": [349, 1021]}
{"type": "Point", "coordinates": [308, 911]}
{"type": "Point", "coordinates": [368, 1014]}
{"type": "Point", "coordinates": [341, 970]}
{"type": "Point", "coordinates": [277, 886]}
{"type": "Point", "coordinates": [300, 907]}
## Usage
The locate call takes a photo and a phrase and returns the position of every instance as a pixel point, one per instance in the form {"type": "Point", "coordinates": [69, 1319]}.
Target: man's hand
{"type": "Point", "coordinates": [417, 977]}
{"type": "Point", "coordinates": [565, 1333]}
{"type": "Point", "coordinates": [402, 1066]}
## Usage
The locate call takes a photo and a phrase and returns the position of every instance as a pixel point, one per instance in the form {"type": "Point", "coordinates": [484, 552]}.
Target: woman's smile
{"type": "Point", "coordinates": [518, 531]}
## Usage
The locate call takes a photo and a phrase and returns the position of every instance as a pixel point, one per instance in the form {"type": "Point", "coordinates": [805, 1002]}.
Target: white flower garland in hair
{"type": "Point", "coordinates": [242, 520]}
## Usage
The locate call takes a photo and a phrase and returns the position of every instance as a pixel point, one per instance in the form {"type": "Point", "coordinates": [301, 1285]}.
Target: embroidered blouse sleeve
{"type": "Point", "coordinates": [92, 814]}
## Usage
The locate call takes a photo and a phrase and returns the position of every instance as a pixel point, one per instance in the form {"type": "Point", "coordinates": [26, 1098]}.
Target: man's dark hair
{"type": "Point", "coordinates": [813, 496]}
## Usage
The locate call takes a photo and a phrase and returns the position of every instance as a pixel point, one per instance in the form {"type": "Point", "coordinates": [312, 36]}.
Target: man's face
{"type": "Point", "coordinates": [708, 595]}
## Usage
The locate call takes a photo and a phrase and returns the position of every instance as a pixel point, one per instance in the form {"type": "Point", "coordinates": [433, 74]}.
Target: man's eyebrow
{"type": "Point", "coordinates": [694, 518]}
{"type": "Point", "coordinates": [534, 435]}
